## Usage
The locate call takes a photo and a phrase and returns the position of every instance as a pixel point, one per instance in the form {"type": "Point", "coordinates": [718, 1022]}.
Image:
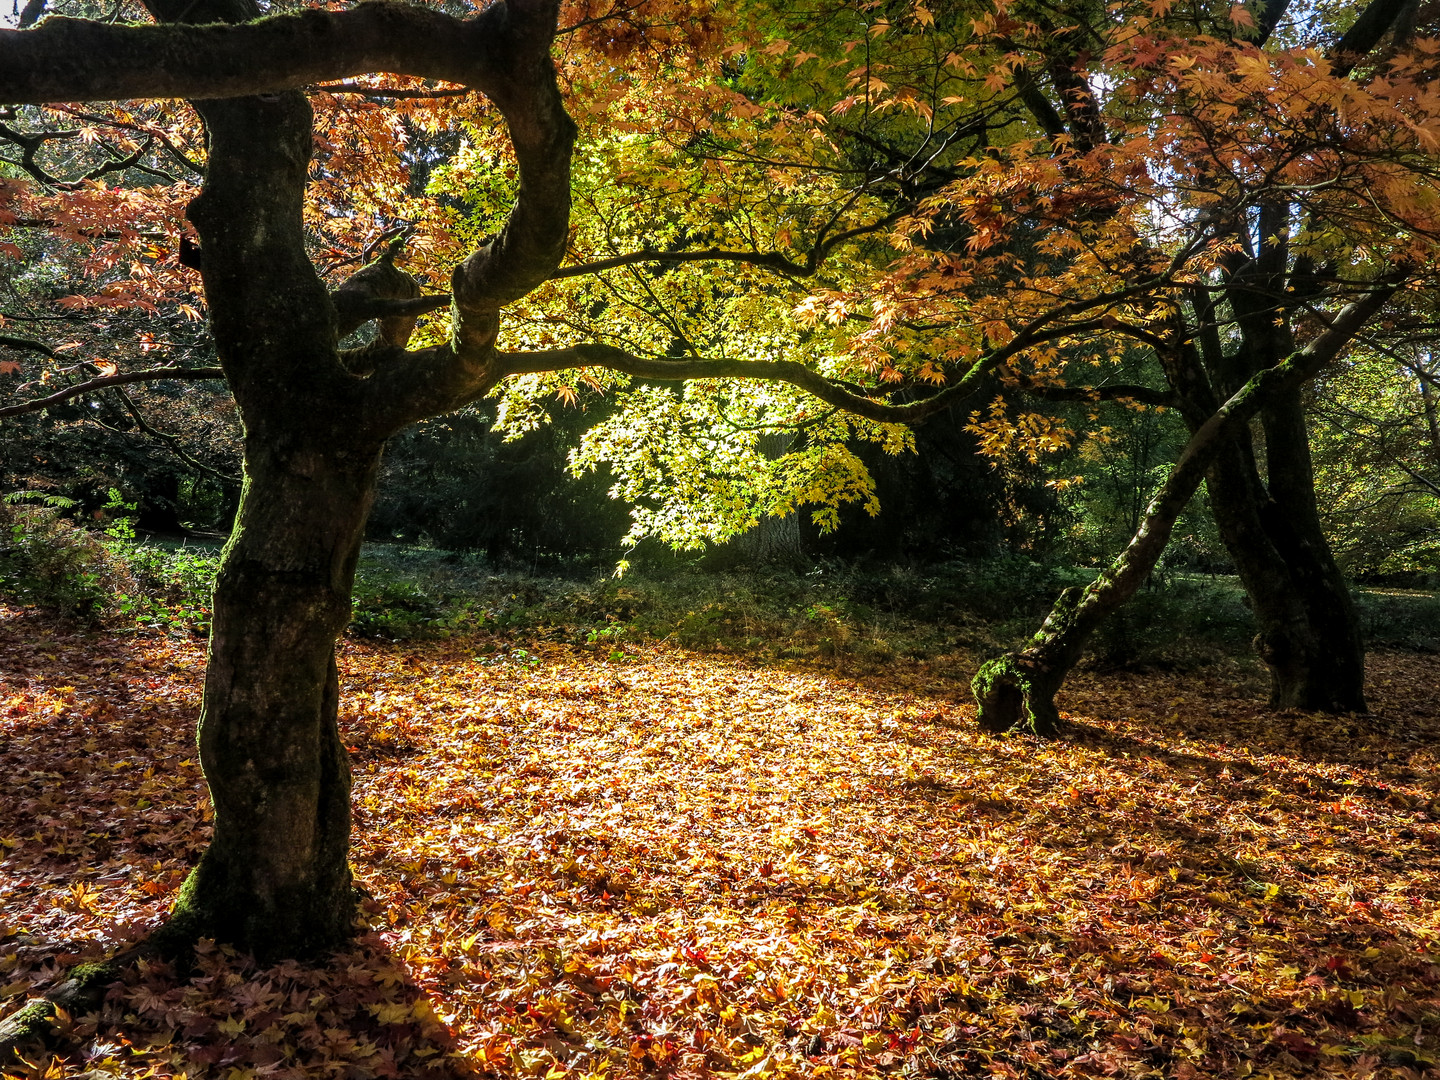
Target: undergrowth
{"type": "Point", "coordinates": [859, 617]}
{"type": "Point", "coordinates": [103, 576]}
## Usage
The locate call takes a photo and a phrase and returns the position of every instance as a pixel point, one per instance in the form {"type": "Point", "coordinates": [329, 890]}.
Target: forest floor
{"type": "Point", "coordinates": [641, 861]}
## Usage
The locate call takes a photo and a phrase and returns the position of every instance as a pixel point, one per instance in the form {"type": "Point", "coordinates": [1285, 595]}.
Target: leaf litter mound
{"type": "Point", "coordinates": [683, 866]}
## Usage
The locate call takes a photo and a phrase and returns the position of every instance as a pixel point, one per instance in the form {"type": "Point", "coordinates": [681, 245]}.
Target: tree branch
{"type": "Point", "coordinates": [796, 374]}
{"type": "Point", "coordinates": [1365, 33]}
{"type": "Point", "coordinates": [150, 130]}
{"type": "Point", "coordinates": [87, 233]}
{"type": "Point", "coordinates": [64, 59]}
{"type": "Point", "coordinates": [531, 243]}
{"type": "Point", "coordinates": [9, 341]}
{"type": "Point", "coordinates": [771, 260]}
{"type": "Point", "coordinates": [351, 308]}
{"type": "Point", "coordinates": [1146, 395]}
{"type": "Point", "coordinates": [105, 382]}
{"type": "Point", "coordinates": [361, 90]}
{"type": "Point", "coordinates": [171, 441]}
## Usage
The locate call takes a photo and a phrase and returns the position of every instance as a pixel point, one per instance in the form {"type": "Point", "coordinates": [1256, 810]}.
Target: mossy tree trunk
{"type": "Point", "coordinates": [275, 879]}
{"type": "Point", "coordinates": [1017, 690]}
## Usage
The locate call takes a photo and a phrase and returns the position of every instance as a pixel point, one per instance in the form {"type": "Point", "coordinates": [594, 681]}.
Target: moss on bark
{"type": "Point", "coordinates": [1010, 697]}
{"type": "Point", "coordinates": [33, 1025]}
{"type": "Point", "coordinates": [37, 1022]}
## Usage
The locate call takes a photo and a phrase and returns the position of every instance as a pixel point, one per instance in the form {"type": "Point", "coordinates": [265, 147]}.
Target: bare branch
{"type": "Point", "coordinates": [105, 382]}
{"type": "Point", "coordinates": [25, 344]}
{"type": "Point", "coordinates": [771, 260]}
{"type": "Point", "coordinates": [796, 374]}
{"type": "Point", "coordinates": [171, 441]}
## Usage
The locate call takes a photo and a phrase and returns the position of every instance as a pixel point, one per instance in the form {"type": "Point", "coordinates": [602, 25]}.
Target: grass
{"type": "Point", "coordinates": [858, 618]}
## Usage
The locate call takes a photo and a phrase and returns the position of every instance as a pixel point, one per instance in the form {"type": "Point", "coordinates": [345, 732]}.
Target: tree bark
{"type": "Point", "coordinates": [275, 879]}
{"type": "Point", "coordinates": [1308, 632]}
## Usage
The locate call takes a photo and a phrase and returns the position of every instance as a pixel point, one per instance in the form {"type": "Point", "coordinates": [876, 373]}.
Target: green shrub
{"type": "Point", "coordinates": [53, 563]}
{"type": "Point", "coordinates": [175, 584]}
{"type": "Point", "coordinates": [48, 561]}
{"type": "Point", "coordinates": [393, 608]}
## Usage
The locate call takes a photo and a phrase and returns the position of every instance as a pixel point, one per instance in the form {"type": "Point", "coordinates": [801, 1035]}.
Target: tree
{"type": "Point", "coordinates": [275, 878]}
{"type": "Point", "coordinates": [1032, 196]}
{"type": "Point", "coordinates": [1065, 243]}
{"type": "Point", "coordinates": [1239, 157]}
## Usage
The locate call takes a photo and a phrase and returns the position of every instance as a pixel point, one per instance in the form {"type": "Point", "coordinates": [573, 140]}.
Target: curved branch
{"type": "Point", "coordinates": [772, 260]}
{"type": "Point", "coordinates": [796, 374]}
{"type": "Point", "coordinates": [64, 59]}
{"type": "Point", "coordinates": [787, 371]}
{"type": "Point", "coordinates": [172, 441]}
{"type": "Point", "coordinates": [531, 243]}
{"type": "Point", "coordinates": [105, 382]}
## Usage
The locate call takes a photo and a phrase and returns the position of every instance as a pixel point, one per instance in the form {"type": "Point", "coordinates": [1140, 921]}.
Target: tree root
{"type": "Point", "coordinates": [39, 1022]}
{"type": "Point", "coordinates": [1012, 693]}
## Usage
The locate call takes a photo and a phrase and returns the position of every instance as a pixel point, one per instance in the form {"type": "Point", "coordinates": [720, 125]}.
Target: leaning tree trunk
{"type": "Point", "coordinates": [1018, 690]}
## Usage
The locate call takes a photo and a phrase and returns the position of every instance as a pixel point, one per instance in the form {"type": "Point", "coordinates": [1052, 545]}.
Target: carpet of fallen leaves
{"type": "Point", "coordinates": [685, 866]}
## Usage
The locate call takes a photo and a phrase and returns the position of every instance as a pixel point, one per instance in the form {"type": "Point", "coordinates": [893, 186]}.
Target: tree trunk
{"type": "Point", "coordinates": [1017, 690]}
{"type": "Point", "coordinates": [1308, 632]}
{"type": "Point", "coordinates": [275, 879]}
{"type": "Point", "coordinates": [1309, 635]}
